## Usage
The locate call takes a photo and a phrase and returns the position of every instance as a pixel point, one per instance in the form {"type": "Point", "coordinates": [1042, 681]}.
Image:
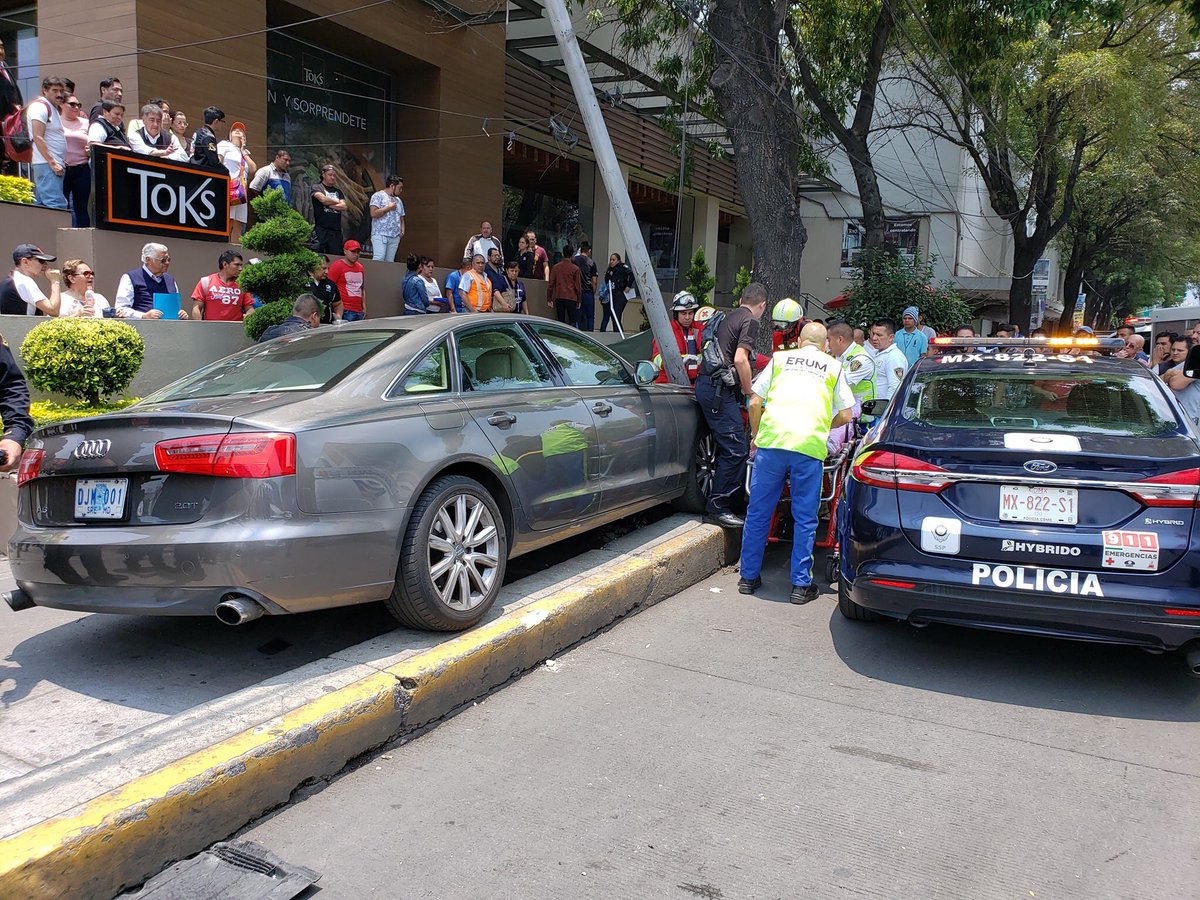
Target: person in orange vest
{"type": "Point", "coordinates": [475, 286]}
{"type": "Point", "coordinates": [687, 337]}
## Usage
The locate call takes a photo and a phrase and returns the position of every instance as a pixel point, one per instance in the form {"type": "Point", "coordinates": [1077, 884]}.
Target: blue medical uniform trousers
{"type": "Point", "coordinates": [766, 487]}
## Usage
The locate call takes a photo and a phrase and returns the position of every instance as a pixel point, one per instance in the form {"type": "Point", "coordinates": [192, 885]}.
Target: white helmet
{"type": "Point", "coordinates": [684, 301]}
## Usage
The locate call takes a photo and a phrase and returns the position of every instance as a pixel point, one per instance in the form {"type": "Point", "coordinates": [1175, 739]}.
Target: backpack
{"type": "Point", "coordinates": [713, 363]}
{"type": "Point", "coordinates": [18, 139]}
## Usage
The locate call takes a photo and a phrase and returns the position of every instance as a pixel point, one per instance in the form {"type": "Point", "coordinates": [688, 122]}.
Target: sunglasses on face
{"type": "Point", "coordinates": [75, 105]}
{"type": "Point", "coordinates": [86, 274]}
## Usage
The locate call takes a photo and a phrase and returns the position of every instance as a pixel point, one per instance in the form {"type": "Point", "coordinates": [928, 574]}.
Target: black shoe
{"type": "Point", "coordinates": [749, 587]}
{"type": "Point", "coordinates": [806, 594]}
{"type": "Point", "coordinates": [725, 520]}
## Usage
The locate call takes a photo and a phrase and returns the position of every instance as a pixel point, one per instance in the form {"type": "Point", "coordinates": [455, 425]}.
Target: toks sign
{"type": "Point", "coordinates": [150, 195]}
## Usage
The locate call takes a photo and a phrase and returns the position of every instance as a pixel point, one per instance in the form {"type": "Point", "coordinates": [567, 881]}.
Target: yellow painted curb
{"type": "Point", "coordinates": [122, 837]}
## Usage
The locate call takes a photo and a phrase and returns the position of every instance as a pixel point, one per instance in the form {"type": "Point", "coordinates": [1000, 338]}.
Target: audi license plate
{"type": "Point", "coordinates": [101, 498]}
{"type": "Point", "coordinates": [1043, 505]}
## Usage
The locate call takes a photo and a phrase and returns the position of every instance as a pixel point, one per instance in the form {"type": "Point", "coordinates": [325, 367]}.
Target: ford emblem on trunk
{"type": "Point", "coordinates": [92, 449]}
{"type": "Point", "coordinates": [1040, 467]}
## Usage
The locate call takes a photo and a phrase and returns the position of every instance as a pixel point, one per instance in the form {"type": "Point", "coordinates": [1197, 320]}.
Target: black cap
{"type": "Point", "coordinates": [31, 251]}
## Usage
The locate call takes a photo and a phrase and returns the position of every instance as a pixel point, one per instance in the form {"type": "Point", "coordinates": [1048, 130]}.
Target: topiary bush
{"type": "Point", "coordinates": [281, 232]}
{"type": "Point", "coordinates": [85, 359]}
{"type": "Point", "coordinates": [699, 277]}
{"type": "Point", "coordinates": [16, 190]}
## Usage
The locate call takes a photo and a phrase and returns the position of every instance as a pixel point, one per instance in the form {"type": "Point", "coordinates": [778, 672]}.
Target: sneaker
{"type": "Point", "coordinates": [749, 586]}
{"type": "Point", "coordinates": [802, 594]}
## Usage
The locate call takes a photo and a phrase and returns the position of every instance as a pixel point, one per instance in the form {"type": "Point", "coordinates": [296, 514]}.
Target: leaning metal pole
{"type": "Point", "coordinates": [618, 194]}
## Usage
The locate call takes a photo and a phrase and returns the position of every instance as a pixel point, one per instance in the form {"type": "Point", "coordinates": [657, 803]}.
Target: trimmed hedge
{"type": "Point", "coordinates": [85, 359]}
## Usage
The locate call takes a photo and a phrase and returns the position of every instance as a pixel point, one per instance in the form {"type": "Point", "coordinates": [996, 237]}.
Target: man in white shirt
{"type": "Point", "coordinates": [20, 294]}
{"type": "Point", "coordinates": [49, 143]}
{"type": "Point", "coordinates": [890, 364]}
{"type": "Point", "coordinates": [483, 242]}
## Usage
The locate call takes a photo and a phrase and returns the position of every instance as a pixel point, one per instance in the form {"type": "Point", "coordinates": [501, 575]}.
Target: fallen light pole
{"type": "Point", "coordinates": [618, 194]}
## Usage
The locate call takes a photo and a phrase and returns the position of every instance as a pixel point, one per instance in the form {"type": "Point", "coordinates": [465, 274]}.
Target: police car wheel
{"type": "Point", "coordinates": [852, 610]}
{"type": "Point", "coordinates": [452, 559]}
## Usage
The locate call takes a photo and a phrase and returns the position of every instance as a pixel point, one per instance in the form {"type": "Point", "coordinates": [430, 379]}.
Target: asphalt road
{"type": "Point", "coordinates": [722, 746]}
{"type": "Point", "coordinates": [70, 681]}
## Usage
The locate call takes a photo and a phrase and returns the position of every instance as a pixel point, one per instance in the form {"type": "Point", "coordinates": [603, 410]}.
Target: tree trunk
{"type": "Point", "coordinates": [761, 122]}
{"type": "Point", "coordinates": [1026, 252]}
{"type": "Point", "coordinates": [1073, 273]}
{"type": "Point", "coordinates": [874, 220]}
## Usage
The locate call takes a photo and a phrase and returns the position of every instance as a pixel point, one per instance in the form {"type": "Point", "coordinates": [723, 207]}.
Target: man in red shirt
{"type": "Point", "coordinates": [347, 274]}
{"type": "Point", "coordinates": [217, 297]}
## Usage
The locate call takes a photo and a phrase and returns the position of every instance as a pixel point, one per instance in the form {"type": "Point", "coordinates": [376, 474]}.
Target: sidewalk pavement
{"type": "Point", "coordinates": [92, 823]}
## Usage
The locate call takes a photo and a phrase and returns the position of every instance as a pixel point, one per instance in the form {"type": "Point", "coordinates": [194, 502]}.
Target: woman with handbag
{"type": "Point", "coordinates": [241, 168]}
{"type": "Point", "coordinates": [509, 295]}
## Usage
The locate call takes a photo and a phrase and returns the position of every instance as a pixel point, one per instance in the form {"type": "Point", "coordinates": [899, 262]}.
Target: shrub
{"type": "Point", "coordinates": [266, 316]}
{"type": "Point", "coordinates": [699, 277]}
{"type": "Point", "coordinates": [281, 232]}
{"type": "Point", "coordinates": [85, 359]}
{"type": "Point", "coordinates": [896, 283]}
{"type": "Point", "coordinates": [48, 412]}
{"type": "Point", "coordinates": [16, 190]}
{"type": "Point", "coordinates": [740, 281]}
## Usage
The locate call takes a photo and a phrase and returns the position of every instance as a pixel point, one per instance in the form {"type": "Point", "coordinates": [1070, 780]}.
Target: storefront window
{"type": "Point", "coordinates": [19, 33]}
{"type": "Point", "coordinates": [326, 108]}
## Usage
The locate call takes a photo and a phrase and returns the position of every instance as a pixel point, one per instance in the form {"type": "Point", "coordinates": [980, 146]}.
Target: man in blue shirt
{"type": "Point", "coordinates": [910, 339]}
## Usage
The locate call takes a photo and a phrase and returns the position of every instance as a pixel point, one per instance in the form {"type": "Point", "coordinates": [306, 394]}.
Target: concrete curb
{"type": "Point", "coordinates": [124, 835]}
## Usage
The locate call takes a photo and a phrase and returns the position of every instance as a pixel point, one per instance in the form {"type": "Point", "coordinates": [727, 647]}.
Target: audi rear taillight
{"type": "Point", "coordinates": [1180, 489]}
{"type": "Point", "coordinates": [238, 455]}
{"type": "Point", "coordinates": [30, 466]}
{"type": "Point", "coordinates": [885, 469]}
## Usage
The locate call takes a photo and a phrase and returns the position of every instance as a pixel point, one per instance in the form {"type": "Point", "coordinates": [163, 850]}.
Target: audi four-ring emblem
{"type": "Point", "coordinates": [92, 449]}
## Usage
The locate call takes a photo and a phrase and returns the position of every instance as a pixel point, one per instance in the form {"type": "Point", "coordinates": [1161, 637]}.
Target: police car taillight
{"type": "Point", "coordinates": [31, 466]}
{"type": "Point", "coordinates": [235, 455]}
{"type": "Point", "coordinates": [885, 469]}
{"type": "Point", "coordinates": [1180, 489]}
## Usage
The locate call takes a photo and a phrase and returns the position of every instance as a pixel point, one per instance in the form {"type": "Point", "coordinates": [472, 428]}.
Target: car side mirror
{"type": "Point", "coordinates": [876, 407]}
{"type": "Point", "coordinates": [645, 372]}
{"type": "Point", "coordinates": [1191, 366]}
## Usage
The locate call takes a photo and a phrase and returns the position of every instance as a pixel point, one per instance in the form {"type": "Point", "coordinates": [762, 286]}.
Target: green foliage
{"type": "Point", "coordinates": [699, 277]}
{"type": "Point", "coordinates": [48, 412]}
{"type": "Point", "coordinates": [281, 233]}
{"type": "Point", "coordinates": [740, 281]}
{"type": "Point", "coordinates": [265, 316]}
{"type": "Point", "coordinates": [16, 190]}
{"type": "Point", "coordinates": [85, 359]}
{"type": "Point", "coordinates": [896, 284]}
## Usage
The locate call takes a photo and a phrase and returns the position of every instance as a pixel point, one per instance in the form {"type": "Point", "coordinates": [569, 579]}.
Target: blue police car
{"type": "Point", "coordinates": [1031, 487]}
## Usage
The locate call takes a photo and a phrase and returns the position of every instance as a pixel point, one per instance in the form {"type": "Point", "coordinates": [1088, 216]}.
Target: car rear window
{"type": "Point", "coordinates": [1114, 404]}
{"type": "Point", "coordinates": [308, 363]}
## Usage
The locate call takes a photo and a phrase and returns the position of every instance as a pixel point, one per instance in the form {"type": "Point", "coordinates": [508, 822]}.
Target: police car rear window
{"type": "Point", "coordinates": [1113, 404]}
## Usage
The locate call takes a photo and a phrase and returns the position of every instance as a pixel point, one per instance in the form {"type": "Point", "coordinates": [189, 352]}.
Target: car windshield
{"type": "Point", "coordinates": [304, 363]}
{"type": "Point", "coordinates": [1062, 401]}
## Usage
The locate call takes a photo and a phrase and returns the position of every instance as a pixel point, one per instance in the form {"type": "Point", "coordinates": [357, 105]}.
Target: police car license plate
{"type": "Point", "coordinates": [100, 498]}
{"type": "Point", "coordinates": [1042, 505]}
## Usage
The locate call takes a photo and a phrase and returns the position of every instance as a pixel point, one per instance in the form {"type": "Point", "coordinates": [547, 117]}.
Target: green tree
{"type": "Point", "coordinates": [700, 281]}
{"type": "Point", "coordinates": [1039, 98]}
{"type": "Point", "coordinates": [282, 233]}
{"type": "Point", "coordinates": [896, 283]}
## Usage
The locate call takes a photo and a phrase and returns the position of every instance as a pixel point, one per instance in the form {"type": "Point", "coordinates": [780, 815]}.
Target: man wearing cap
{"type": "Point", "coordinates": [204, 141]}
{"type": "Point", "coordinates": [912, 342]}
{"type": "Point", "coordinates": [347, 274]}
{"type": "Point", "coordinates": [137, 287]}
{"type": "Point", "coordinates": [19, 292]}
{"type": "Point", "coordinates": [328, 205]}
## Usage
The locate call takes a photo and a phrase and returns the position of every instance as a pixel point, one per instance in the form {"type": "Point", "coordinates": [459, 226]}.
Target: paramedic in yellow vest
{"type": "Point", "coordinates": [797, 398]}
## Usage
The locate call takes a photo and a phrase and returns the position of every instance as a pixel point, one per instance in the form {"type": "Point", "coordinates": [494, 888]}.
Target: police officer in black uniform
{"type": "Point", "coordinates": [14, 409]}
{"type": "Point", "coordinates": [204, 141]}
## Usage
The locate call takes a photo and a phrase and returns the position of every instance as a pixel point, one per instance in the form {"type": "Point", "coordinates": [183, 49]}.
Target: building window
{"type": "Point", "coordinates": [326, 108]}
{"type": "Point", "coordinates": [900, 234]}
{"type": "Point", "coordinates": [18, 30]}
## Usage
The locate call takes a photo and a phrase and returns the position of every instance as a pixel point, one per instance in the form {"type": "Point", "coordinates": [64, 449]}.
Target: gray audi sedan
{"type": "Point", "coordinates": [403, 460]}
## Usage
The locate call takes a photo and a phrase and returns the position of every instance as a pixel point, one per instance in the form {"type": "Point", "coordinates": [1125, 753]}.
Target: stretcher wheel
{"type": "Point", "coordinates": [831, 568]}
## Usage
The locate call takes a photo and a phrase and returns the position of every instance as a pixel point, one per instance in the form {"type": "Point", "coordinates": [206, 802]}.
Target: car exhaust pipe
{"type": "Point", "coordinates": [238, 609]}
{"type": "Point", "coordinates": [1192, 657]}
{"type": "Point", "coordinates": [18, 600]}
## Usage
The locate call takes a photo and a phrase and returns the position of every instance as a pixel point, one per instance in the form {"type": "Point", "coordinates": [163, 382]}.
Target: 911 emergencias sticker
{"type": "Point", "coordinates": [1133, 551]}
